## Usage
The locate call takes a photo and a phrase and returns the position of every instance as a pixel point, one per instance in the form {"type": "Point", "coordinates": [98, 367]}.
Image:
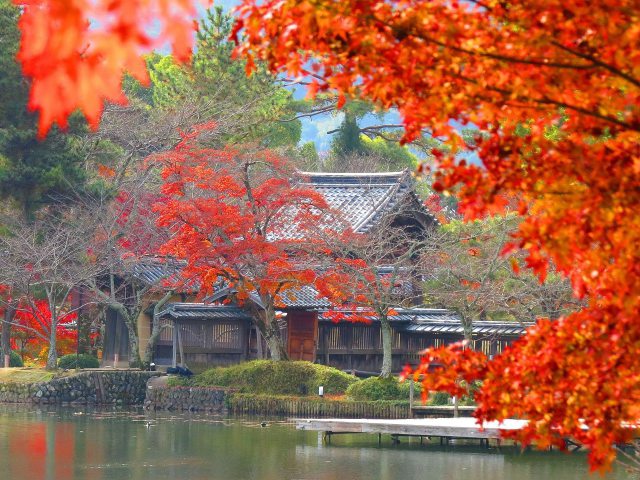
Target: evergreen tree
{"type": "Point", "coordinates": [33, 172]}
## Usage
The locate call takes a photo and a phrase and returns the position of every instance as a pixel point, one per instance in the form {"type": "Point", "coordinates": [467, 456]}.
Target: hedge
{"type": "Point", "coordinates": [376, 388]}
{"type": "Point", "coordinates": [82, 361]}
{"type": "Point", "coordinates": [275, 378]}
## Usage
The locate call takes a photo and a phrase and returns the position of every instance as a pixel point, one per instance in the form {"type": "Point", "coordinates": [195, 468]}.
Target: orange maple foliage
{"type": "Point", "coordinates": [554, 87]}
{"type": "Point", "coordinates": [238, 219]}
{"type": "Point", "coordinates": [76, 52]}
{"type": "Point", "coordinates": [354, 289]}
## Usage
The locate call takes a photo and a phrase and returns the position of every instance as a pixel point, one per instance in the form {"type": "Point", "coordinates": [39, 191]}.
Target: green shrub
{"type": "Point", "coordinates": [83, 361]}
{"type": "Point", "coordinates": [277, 378]}
{"type": "Point", "coordinates": [376, 388]}
{"type": "Point", "coordinates": [15, 360]}
{"type": "Point", "coordinates": [439, 398]}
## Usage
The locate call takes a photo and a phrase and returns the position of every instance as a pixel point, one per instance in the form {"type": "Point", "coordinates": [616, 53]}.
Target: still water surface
{"type": "Point", "coordinates": [69, 444]}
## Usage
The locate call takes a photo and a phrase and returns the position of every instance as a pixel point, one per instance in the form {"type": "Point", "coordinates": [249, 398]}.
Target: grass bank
{"type": "Point", "coordinates": [27, 375]}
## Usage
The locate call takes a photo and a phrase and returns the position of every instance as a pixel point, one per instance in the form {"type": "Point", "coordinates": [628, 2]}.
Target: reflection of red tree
{"type": "Point", "coordinates": [64, 446]}
{"type": "Point", "coordinates": [33, 325]}
{"type": "Point", "coordinates": [27, 450]}
{"type": "Point", "coordinates": [45, 450]}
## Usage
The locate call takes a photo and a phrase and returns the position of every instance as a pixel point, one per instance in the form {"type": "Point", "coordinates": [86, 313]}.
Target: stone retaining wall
{"type": "Point", "coordinates": [194, 399]}
{"type": "Point", "coordinates": [117, 387]}
{"type": "Point", "coordinates": [228, 401]}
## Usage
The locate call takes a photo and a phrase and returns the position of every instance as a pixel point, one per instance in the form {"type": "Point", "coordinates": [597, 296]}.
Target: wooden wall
{"type": "Point", "coordinates": [347, 346]}
{"type": "Point", "coordinates": [358, 347]}
{"type": "Point", "coordinates": [206, 343]}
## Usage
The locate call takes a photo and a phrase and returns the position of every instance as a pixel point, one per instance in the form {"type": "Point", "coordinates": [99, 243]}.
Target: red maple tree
{"type": "Point", "coordinates": [240, 221]}
{"type": "Point", "coordinates": [32, 331]}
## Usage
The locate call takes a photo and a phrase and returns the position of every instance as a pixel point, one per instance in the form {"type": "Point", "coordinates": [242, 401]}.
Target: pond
{"type": "Point", "coordinates": [69, 444]}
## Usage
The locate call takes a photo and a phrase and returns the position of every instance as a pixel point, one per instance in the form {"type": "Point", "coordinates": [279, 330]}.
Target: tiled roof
{"type": "Point", "coordinates": [436, 320]}
{"type": "Point", "coordinates": [478, 327]}
{"type": "Point", "coordinates": [151, 270]}
{"type": "Point", "coordinates": [418, 320]}
{"type": "Point", "coordinates": [414, 315]}
{"type": "Point", "coordinates": [304, 297]}
{"type": "Point", "coordinates": [364, 198]}
{"type": "Point", "coordinates": [202, 311]}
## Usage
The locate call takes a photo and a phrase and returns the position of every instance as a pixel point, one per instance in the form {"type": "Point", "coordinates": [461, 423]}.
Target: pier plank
{"type": "Point", "coordinates": [435, 427]}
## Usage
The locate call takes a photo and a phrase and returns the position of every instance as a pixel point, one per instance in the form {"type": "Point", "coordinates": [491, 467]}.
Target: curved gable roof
{"type": "Point", "coordinates": [364, 199]}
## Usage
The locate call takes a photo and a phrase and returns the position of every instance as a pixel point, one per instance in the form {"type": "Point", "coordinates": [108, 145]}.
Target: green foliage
{"type": "Point", "coordinates": [259, 100]}
{"type": "Point", "coordinates": [347, 140]}
{"type": "Point", "coordinates": [215, 87]}
{"type": "Point", "coordinates": [277, 378]}
{"type": "Point", "coordinates": [398, 156]}
{"type": "Point", "coordinates": [32, 172]}
{"type": "Point", "coordinates": [306, 157]}
{"type": "Point", "coordinates": [81, 361]}
{"type": "Point", "coordinates": [15, 360]}
{"type": "Point", "coordinates": [169, 81]}
{"type": "Point", "coordinates": [376, 388]}
{"type": "Point", "coordinates": [351, 150]}
{"type": "Point", "coordinates": [439, 398]}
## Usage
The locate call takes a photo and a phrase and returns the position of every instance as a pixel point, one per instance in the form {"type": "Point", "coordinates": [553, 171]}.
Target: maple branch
{"type": "Point", "coordinates": [312, 113]}
{"type": "Point", "coordinates": [598, 62]}
{"type": "Point", "coordinates": [400, 33]}
{"type": "Point", "coordinates": [371, 128]}
{"type": "Point", "coordinates": [547, 101]}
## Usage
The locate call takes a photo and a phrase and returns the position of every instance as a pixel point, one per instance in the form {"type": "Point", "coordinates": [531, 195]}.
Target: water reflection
{"type": "Point", "coordinates": [66, 444]}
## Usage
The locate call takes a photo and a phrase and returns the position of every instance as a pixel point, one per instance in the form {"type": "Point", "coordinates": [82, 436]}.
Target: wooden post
{"type": "Point", "coordinates": [246, 339]}
{"type": "Point", "coordinates": [259, 343]}
{"type": "Point", "coordinates": [325, 341]}
{"type": "Point", "coordinates": [182, 362]}
{"type": "Point", "coordinates": [174, 343]}
{"type": "Point", "coordinates": [411, 393]}
{"type": "Point", "coordinates": [7, 361]}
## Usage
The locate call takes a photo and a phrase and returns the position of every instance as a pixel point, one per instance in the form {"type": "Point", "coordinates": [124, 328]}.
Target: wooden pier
{"type": "Point", "coordinates": [443, 428]}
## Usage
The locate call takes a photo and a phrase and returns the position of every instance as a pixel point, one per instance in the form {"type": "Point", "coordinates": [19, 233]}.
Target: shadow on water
{"type": "Point", "coordinates": [114, 444]}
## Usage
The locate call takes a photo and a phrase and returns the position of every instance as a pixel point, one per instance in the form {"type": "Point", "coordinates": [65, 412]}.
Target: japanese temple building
{"type": "Point", "coordinates": [209, 334]}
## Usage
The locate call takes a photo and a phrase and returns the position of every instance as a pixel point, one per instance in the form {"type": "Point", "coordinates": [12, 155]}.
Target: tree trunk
{"type": "Point", "coordinates": [83, 322]}
{"type": "Point", "coordinates": [156, 330]}
{"type": "Point", "coordinates": [148, 349]}
{"type": "Point", "coordinates": [467, 328]}
{"type": "Point", "coordinates": [5, 349]}
{"type": "Point", "coordinates": [387, 345]}
{"type": "Point", "coordinates": [276, 345]}
{"type": "Point", "coordinates": [267, 323]}
{"type": "Point", "coordinates": [130, 320]}
{"type": "Point", "coordinates": [52, 358]}
{"type": "Point", "coordinates": [134, 351]}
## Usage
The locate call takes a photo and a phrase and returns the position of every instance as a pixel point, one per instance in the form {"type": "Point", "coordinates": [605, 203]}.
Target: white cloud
{"type": "Point", "coordinates": [316, 130]}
